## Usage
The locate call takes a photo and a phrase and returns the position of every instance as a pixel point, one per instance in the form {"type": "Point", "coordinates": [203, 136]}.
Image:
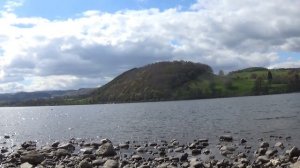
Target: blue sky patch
{"type": "Point", "coordinates": [61, 9]}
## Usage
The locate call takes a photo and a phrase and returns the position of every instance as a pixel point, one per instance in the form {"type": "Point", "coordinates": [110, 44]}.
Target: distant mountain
{"type": "Point", "coordinates": [20, 97]}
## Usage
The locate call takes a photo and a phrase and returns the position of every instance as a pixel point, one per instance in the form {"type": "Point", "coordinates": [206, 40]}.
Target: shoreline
{"type": "Point", "coordinates": [229, 151]}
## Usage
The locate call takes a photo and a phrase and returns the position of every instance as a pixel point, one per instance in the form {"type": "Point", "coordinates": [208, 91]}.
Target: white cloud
{"type": "Point", "coordinates": [86, 51]}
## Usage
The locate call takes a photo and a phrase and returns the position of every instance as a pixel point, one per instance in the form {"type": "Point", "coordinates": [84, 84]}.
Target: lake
{"type": "Point", "coordinates": [243, 117]}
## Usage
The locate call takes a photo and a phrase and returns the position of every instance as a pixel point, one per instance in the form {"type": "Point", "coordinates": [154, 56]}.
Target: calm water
{"type": "Point", "coordinates": [243, 117]}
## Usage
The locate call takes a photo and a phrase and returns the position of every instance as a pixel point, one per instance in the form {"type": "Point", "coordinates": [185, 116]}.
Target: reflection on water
{"type": "Point", "coordinates": [253, 117]}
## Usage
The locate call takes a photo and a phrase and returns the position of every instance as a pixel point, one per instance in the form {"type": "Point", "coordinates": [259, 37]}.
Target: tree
{"type": "Point", "coordinates": [270, 77]}
{"type": "Point", "coordinates": [221, 73]}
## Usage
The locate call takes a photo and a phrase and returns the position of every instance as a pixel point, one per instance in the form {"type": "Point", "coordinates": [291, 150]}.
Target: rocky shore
{"type": "Point", "coordinates": [201, 153]}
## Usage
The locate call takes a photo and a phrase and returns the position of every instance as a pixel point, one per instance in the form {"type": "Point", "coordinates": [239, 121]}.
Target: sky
{"type": "Point", "coordinates": [72, 44]}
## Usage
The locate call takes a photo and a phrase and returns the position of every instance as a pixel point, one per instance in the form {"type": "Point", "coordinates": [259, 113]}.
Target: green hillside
{"type": "Point", "coordinates": [186, 80]}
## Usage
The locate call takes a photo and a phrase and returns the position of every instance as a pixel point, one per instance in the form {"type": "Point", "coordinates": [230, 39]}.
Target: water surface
{"type": "Point", "coordinates": [243, 117]}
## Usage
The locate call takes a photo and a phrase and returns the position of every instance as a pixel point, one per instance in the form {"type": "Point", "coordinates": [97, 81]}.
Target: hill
{"type": "Point", "coordinates": [158, 81]}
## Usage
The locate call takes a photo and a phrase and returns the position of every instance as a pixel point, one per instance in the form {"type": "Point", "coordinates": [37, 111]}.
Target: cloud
{"type": "Point", "coordinates": [93, 47]}
{"type": "Point", "coordinates": [11, 5]}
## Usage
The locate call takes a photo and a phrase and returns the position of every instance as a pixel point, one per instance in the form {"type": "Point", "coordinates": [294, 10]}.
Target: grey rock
{"type": "Point", "coordinates": [124, 146]}
{"type": "Point", "coordinates": [227, 148]}
{"type": "Point", "coordinates": [137, 157]}
{"type": "Point", "coordinates": [294, 152]}
{"type": "Point", "coordinates": [203, 140]}
{"type": "Point", "coordinates": [111, 164]}
{"type": "Point", "coordinates": [179, 149]}
{"type": "Point", "coordinates": [279, 145]}
{"type": "Point", "coordinates": [163, 165]}
{"type": "Point", "coordinates": [194, 163]}
{"type": "Point", "coordinates": [183, 157]}
{"type": "Point", "coordinates": [55, 144]}
{"type": "Point", "coordinates": [296, 165]}
{"type": "Point", "coordinates": [264, 145]}
{"type": "Point", "coordinates": [34, 158]}
{"type": "Point", "coordinates": [262, 159]}
{"type": "Point", "coordinates": [206, 151]}
{"type": "Point", "coordinates": [85, 164]}
{"type": "Point", "coordinates": [62, 153]}
{"type": "Point", "coordinates": [141, 149]}
{"type": "Point", "coordinates": [28, 144]}
{"type": "Point", "coordinates": [26, 165]}
{"type": "Point", "coordinates": [106, 149]}
{"type": "Point", "coordinates": [98, 162]}
{"type": "Point", "coordinates": [196, 151]}
{"type": "Point", "coordinates": [67, 146]}
{"type": "Point", "coordinates": [242, 141]}
{"type": "Point", "coordinates": [87, 150]}
{"type": "Point", "coordinates": [271, 152]}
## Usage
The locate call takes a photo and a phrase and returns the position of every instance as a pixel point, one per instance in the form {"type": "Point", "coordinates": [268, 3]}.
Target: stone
{"type": "Point", "coordinates": [203, 140]}
{"type": "Point", "coordinates": [227, 138]}
{"type": "Point", "coordinates": [196, 152]}
{"type": "Point", "coordinates": [34, 158]}
{"type": "Point", "coordinates": [206, 151]}
{"type": "Point", "coordinates": [98, 162]}
{"type": "Point", "coordinates": [183, 157]}
{"type": "Point", "coordinates": [4, 150]}
{"type": "Point", "coordinates": [228, 148]}
{"type": "Point", "coordinates": [153, 144]}
{"type": "Point", "coordinates": [279, 145]}
{"type": "Point", "coordinates": [264, 145]}
{"type": "Point", "coordinates": [294, 152]}
{"type": "Point", "coordinates": [296, 165]}
{"type": "Point", "coordinates": [124, 146]}
{"type": "Point", "coordinates": [271, 152]}
{"type": "Point", "coordinates": [275, 162]}
{"type": "Point", "coordinates": [106, 149]}
{"type": "Point", "coordinates": [111, 164]}
{"type": "Point", "coordinates": [55, 144]}
{"type": "Point", "coordinates": [26, 165]}
{"type": "Point", "coordinates": [28, 144]}
{"type": "Point", "coordinates": [85, 164]}
{"type": "Point", "coordinates": [261, 151]}
{"type": "Point", "coordinates": [141, 149]}
{"type": "Point", "coordinates": [67, 146]}
{"type": "Point", "coordinates": [87, 150]}
{"type": "Point", "coordinates": [137, 157]}
{"type": "Point", "coordinates": [242, 141]}
{"type": "Point", "coordinates": [179, 149]}
{"type": "Point", "coordinates": [163, 165]}
{"type": "Point", "coordinates": [262, 159]}
{"type": "Point", "coordinates": [62, 153]}
{"type": "Point", "coordinates": [194, 163]}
